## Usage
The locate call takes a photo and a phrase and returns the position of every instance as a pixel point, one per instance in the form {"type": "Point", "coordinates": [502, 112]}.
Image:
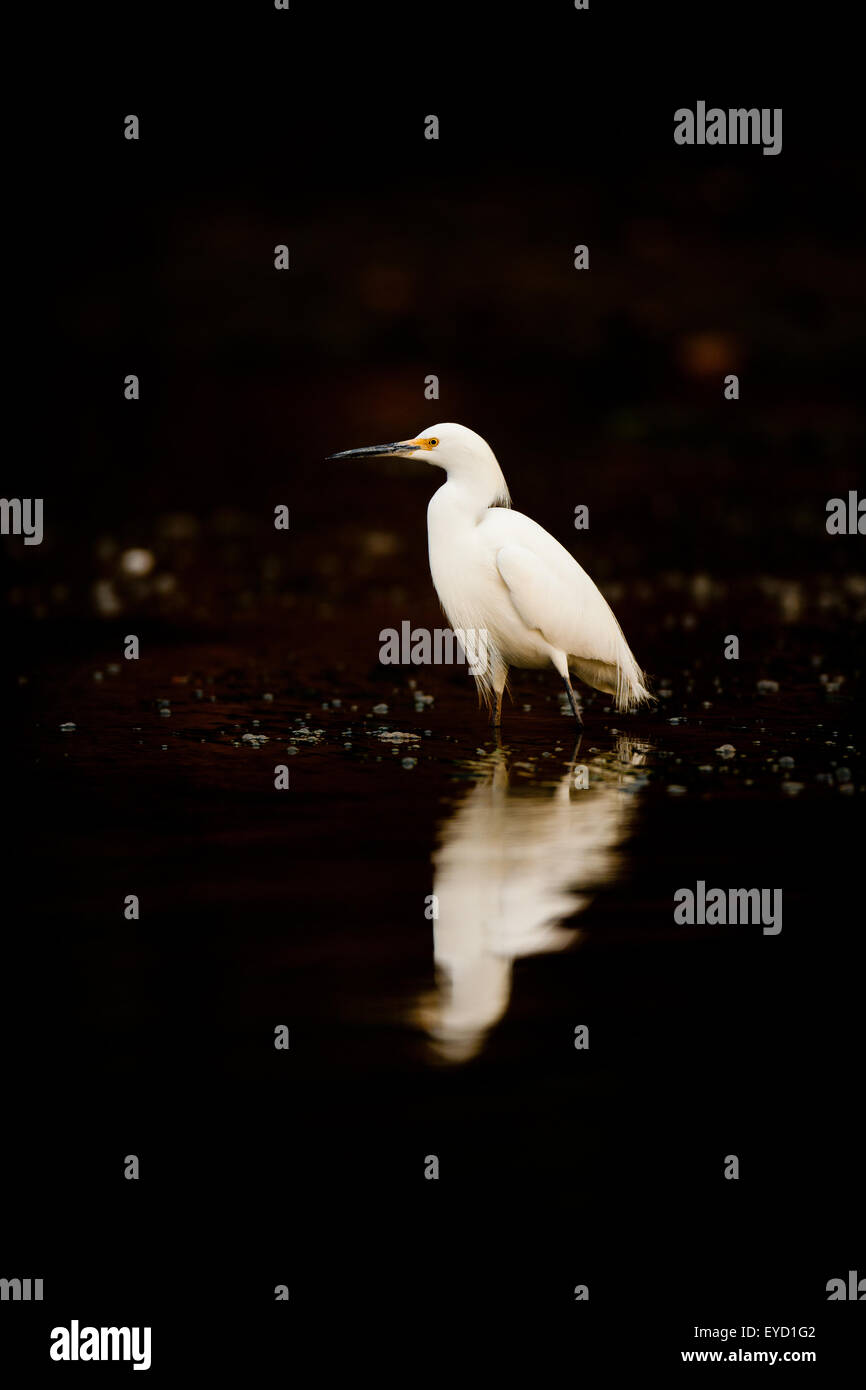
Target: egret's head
{"type": "Point", "coordinates": [461, 452]}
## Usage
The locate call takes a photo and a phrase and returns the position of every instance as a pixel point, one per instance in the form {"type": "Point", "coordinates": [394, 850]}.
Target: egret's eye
{"type": "Point", "coordinates": [434, 443]}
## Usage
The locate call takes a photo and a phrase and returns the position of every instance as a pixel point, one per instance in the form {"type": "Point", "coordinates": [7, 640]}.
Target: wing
{"type": "Point", "coordinates": [562, 604]}
{"type": "Point", "coordinates": [553, 595]}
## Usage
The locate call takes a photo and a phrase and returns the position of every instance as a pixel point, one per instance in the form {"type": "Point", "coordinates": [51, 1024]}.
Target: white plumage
{"type": "Point", "coordinates": [509, 872]}
{"type": "Point", "coordinates": [498, 572]}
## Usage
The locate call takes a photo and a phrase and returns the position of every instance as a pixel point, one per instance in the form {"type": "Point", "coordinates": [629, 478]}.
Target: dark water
{"type": "Point", "coordinates": [453, 1036]}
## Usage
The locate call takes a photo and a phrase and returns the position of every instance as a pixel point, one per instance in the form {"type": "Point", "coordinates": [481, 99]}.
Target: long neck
{"type": "Point", "coordinates": [471, 492]}
{"type": "Point", "coordinates": [455, 507]}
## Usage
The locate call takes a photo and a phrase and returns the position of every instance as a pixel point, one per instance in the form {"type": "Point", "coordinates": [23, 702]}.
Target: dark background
{"type": "Point", "coordinates": [605, 388]}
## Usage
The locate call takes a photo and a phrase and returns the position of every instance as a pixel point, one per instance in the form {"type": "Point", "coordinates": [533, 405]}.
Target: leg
{"type": "Point", "coordinates": [560, 663]}
{"type": "Point", "coordinates": [578, 742]}
{"type": "Point", "coordinates": [500, 676]}
{"type": "Point", "coordinates": [573, 700]}
{"type": "Point", "coordinates": [496, 714]}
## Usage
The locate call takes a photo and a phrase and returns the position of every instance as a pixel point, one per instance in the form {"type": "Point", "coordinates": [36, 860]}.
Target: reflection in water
{"type": "Point", "coordinates": [516, 859]}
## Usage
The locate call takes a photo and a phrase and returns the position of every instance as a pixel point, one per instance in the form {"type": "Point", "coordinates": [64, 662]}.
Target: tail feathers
{"type": "Point", "coordinates": [624, 680]}
{"type": "Point", "coordinates": [633, 692]}
{"type": "Point", "coordinates": [631, 689]}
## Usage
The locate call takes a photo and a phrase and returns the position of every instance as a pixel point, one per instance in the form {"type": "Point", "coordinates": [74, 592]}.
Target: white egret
{"type": "Point", "coordinates": [501, 575]}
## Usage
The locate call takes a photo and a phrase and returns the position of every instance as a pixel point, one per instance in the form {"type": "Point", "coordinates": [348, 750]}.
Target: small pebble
{"type": "Point", "coordinates": [792, 788]}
